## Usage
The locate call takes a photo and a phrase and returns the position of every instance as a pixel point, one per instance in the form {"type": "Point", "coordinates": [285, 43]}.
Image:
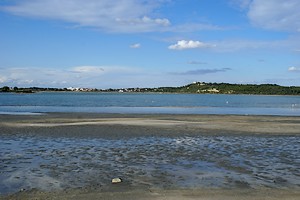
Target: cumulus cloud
{"type": "Point", "coordinates": [184, 44]}
{"type": "Point", "coordinates": [280, 15]}
{"type": "Point", "coordinates": [135, 46]}
{"type": "Point", "coordinates": [294, 69]}
{"type": "Point", "coordinates": [111, 16]}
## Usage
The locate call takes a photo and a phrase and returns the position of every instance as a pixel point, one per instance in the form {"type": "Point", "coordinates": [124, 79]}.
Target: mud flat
{"type": "Point", "coordinates": [75, 156]}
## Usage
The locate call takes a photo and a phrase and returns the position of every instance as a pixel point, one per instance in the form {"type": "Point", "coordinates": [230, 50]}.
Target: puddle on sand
{"type": "Point", "coordinates": [49, 163]}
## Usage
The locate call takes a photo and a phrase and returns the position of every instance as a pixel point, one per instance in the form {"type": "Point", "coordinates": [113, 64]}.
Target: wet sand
{"type": "Point", "coordinates": [127, 127]}
{"type": "Point", "coordinates": [192, 194]}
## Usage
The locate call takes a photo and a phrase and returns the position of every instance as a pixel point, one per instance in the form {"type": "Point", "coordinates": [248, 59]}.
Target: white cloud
{"type": "Point", "coordinates": [107, 15]}
{"type": "Point", "coordinates": [31, 76]}
{"type": "Point", "coordinates": [79, 76]}
{"type": "Point", "coordinates": [113, 77]}
{"type": "Point", "coordinates": [3, 79]}
{"type": "Point", "coordinates": [122, 16]}
{"type": "Point", "coordinates": [203, 71]}
{"type": "Point", "coordinates": [135, 46]}
{"type": "Point", "coordinates": [184, 44]}
{"type": "Point", "coordinates": [288, 44]}
{"type": "Point", "coordinates": [294, 69]}
{"type": "Point", "coordinates": [144, 21]}
{"type": "Point", "coordinates": [192, 27]}
{"type": "Point", "coordinates": [88, 69]}
{"type": "Point", "coordinates": [280, 15]}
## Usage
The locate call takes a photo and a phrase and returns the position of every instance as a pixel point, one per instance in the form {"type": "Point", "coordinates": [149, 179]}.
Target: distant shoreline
{"type": "Point", "coordinates": [193, 88]}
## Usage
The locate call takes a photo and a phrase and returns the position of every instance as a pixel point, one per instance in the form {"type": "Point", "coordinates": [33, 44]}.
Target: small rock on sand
{"type": "Point", "coordinates": [116, 180]}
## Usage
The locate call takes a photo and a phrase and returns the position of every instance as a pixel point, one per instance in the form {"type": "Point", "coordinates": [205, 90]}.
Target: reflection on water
{"type": "Point", "coordinates": [204, 161]}
{"type": "Point", "coordinates": [29, 110]}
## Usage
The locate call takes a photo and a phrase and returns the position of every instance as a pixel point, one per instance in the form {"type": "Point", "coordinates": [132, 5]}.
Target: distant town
{"type": "Point", "coordinates": [195, 87]}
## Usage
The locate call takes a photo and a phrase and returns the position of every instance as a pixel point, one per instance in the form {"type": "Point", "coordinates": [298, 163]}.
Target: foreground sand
{"type": "Point", "coordinates": [120, 126]}
{"type": "Point", "coordinates": [201, 194]}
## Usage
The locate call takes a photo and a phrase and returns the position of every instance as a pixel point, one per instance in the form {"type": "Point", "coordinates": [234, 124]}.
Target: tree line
{"type": "Point", "coordinates": [196, 87]}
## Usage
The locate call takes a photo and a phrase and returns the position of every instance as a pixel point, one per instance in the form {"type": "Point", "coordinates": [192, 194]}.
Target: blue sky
{"type": "Point", "coordinates": [148, 43]}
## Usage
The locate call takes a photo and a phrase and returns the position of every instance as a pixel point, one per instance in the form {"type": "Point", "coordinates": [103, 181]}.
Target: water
{"type": "Point", "coordinates": [155, 162]}
{"type": "Point", "coordinates": [149, 103]}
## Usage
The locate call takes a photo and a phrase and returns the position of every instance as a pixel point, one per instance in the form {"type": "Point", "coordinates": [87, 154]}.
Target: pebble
{"type": "Point", "coordinates": [116, 180]}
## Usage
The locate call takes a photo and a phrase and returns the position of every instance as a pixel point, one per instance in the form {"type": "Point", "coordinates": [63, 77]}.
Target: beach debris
{"type": "Point", "coordinates": [116, 180]}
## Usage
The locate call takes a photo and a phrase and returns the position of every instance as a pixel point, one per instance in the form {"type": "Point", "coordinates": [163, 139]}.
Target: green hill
{"type": "Point", "coordinates": [226, 88]}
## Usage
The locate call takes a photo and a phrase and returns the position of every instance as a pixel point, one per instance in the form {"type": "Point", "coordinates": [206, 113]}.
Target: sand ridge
{"type": "Point", "coordinates": [110, 121]}
{"type": "Point", "coordinates": [279, 125]}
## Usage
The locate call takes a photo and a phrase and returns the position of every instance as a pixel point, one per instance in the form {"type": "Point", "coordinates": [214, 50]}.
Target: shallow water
{"type": "Point", "coordinates": [146, 103]}
{"type": "Point", "coordinates": [154, 162]}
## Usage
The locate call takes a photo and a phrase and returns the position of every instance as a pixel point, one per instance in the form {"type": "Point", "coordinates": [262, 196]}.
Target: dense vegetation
{"type": "Point", "coordinates": [226, 88]}
{"type": "Point", "coordinates": [29, 90]}
{"type": "Point", "coordinates": [197, 87]}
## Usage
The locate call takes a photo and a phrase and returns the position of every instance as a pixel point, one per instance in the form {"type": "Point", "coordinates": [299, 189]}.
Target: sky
{"type": "Point", "coordinates": [148, 43]}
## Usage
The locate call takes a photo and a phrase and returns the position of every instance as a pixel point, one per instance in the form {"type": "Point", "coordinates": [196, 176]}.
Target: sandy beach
{"type": "Point", "coordinates": [158, 133]}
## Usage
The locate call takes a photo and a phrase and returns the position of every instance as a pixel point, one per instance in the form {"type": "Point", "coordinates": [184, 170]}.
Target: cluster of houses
{"type": "Point", "coordinates": [81, 89]}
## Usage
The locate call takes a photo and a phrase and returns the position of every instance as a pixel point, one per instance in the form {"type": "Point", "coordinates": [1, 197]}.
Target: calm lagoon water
{"type": "Point", "coordinates": [149, 103]}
